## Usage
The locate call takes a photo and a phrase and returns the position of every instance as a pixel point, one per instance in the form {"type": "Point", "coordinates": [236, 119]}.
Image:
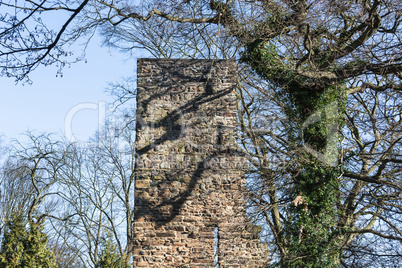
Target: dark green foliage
{"type": "Point", "coordinates": [25, 247]}
{"type": "Point", "coordinates": [110, 256]}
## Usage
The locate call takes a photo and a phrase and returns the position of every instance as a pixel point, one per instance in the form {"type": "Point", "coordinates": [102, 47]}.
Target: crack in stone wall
{"type": "Point", "coordinates": [189, 172]}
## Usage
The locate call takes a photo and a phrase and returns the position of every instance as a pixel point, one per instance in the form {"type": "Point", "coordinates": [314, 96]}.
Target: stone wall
{"type": "Point", "coordinates": [189, 173]}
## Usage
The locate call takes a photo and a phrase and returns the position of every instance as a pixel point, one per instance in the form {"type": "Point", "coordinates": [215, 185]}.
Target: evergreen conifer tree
{"type": "Point", "coordinates": [25, 247]}
{"type": "Point", "coordinates": [109, 256]}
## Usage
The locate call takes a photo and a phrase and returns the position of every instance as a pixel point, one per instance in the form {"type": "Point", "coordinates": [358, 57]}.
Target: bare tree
{"type": "Point", "coordinates": [28, 194]}
{"type": "Point", "coordinates": [371, 184]}
{"type": "Point", "coordinates": [98, 188]}
{"type": "Point", "coordinates": [84, 192]}
{"type": "Point", "coordinates": [29, 178]}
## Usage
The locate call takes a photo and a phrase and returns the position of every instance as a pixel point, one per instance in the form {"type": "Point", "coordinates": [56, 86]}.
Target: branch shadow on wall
{"type": "Point", "coordinates": [165, 208]}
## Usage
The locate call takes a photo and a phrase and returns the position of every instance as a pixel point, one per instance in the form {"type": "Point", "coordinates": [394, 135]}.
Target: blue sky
{"type": "Point", "coordinates": [44, 105]}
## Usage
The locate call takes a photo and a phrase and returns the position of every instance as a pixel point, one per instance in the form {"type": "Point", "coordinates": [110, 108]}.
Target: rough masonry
{"type": "Point", "coordinates": [189, 204]}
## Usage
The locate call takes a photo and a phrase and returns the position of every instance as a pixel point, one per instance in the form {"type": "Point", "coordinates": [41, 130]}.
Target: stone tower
{"type": "Point", "coordinates": [189, 204]}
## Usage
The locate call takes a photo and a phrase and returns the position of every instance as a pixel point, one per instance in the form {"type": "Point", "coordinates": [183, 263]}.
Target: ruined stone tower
{"type": "Point", "coordinates": [189, 208]}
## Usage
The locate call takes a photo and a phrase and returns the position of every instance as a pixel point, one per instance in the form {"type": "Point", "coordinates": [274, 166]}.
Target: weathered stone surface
{"type": "Point", "coordinates": [189, 172]}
